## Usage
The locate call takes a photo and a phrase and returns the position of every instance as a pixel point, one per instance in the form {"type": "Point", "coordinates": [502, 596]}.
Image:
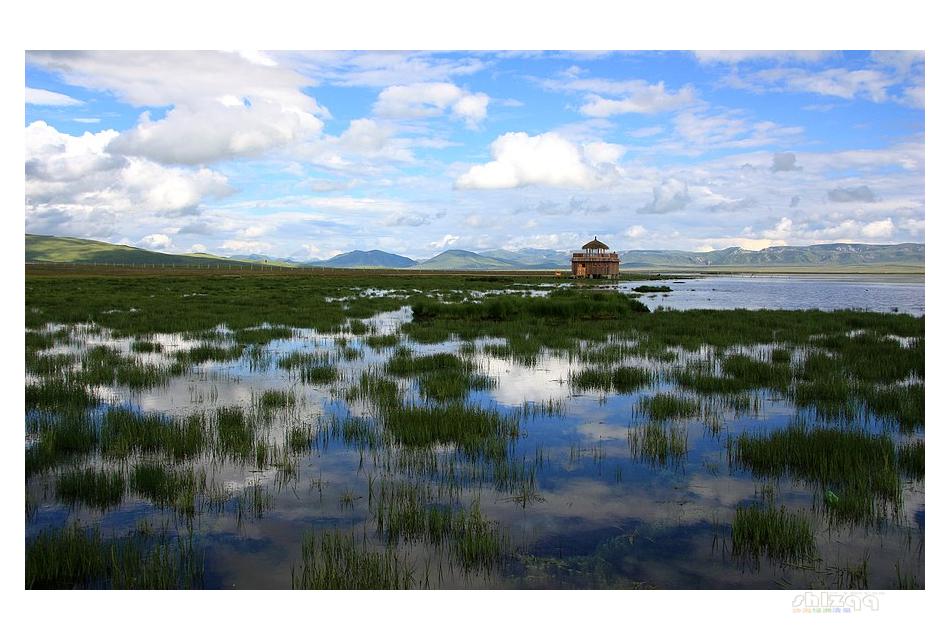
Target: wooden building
{"type": "Point", "coordinates": [595, 262]}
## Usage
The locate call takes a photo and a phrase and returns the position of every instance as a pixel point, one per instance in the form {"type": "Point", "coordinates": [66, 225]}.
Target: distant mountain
{"type": "Point", "coordinates": [840, 254]}
{"type": "Point", "coordinates": [458, 260]}
{"type": "Point", "coordinates": [366, 260]}
{"type": "Point", "coordinates": [55, 249]}
{"type": "Point", "coordinates": [77, 250]}
{"type": "Point", "coordinates": [532, 258]}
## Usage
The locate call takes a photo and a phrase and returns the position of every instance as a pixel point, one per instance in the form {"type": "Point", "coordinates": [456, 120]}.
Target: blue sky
{"type": "Point", "coordinates": [310, 154]}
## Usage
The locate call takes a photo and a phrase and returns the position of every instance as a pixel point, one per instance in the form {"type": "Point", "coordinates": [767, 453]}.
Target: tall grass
{"type": "Point", "coordinates": [334, 560]}
{"type": "Point", "coordinates": [777, 533]}
{"type": "Point", "coordinates": [96, 488]}
{"type": "Point", "coordinates": [74, 558]}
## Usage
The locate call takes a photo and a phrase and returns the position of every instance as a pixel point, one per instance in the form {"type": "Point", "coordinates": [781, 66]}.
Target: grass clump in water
{"type": "Point", "coordinates": [380, 342]}
{"type": "Point", "coordinates": [273, 399]}
{"type": "Point", "coordinates": [96, 488]}
{"type": "Point", "coordinates": [319, 374]}
{"type": "Point", "coordinates": [855, 473]}
{"type": "Point", "coordinates": [73, 558]}
{"type": "Point", "coordinates": [910, 459]}
{"type": "Point", "coordinates": [262, 335]}
{"type": "Point", "coordinates": [336, 561]}
{"type": "Point", "coordinates": [167, 487]}
{"type": "Point", "coordinates": [620, 379]}
{"type": "Point", "coordinates": [658, 444]}
{"type": "Point", "coordinates": [59, 437]}
{"type": "Point", "coordinates": [777, 533]}
{"type": "Point", "coordinates": [668, 406]}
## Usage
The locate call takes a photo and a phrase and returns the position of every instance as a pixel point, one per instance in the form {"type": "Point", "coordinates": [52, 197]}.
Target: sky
{"type": "Point", "coordinates": [307, 155]}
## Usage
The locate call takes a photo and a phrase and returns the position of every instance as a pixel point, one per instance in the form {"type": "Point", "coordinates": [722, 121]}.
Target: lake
{"type": "Point", "coordinates": [884, 293]}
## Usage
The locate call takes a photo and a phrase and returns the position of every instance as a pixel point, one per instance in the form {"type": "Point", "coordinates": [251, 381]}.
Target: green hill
{"type": "Point", "coordinates": [374, 259]}
{"type": "Point", "coordinates": [458, 260]}
{"type": "Point", "coordinates": [79, 251]}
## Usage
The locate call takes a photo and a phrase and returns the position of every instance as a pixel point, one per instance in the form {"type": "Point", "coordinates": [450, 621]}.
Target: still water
{"type": "Point", "coordinates": [883, 293]}
{"type": "Point", "coordinates": [597, 515]}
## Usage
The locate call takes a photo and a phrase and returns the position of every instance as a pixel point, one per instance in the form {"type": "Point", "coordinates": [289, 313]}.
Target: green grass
{"type": "Point", "coordinates": [74, 558]}
{"type": "Point", "coordinates": [235, 433]}
{"type": "Point", "coordinates": [380, 342]}
{"type": "Point", "coordinates": [658, 444]}
{"type": "Point", "coordinates": [647, 288]}
{"type": "Point", "coordinates": [668, 406]}
{"type": "Point", "coordinates": [209, 352]}
{"type": "Point", "coordinates": [621, 379]}
{"type": "Point", "coordinates": [145, 346]}
{"type": "Point", "coordinates": [860, 469]}
{"type": "Point", "coordinates": [96, 488]}
{"type": "Point", "coordinates": [777, 533]}
{"type": "Point", "coordinates": [60, 437]}
{"type": "Point", "coordinates": [169, 487]}
{"type": "Point", "coordinates": [910, 459]}
{"type": "Point", "coordinates": [59, 394]}
{"type": "Point", "coordinates": [334, 560]}
{"type": "Point", "coordinates": [276, 399]}
{"type": "Point", "coordinates": [406, 512]}
{"type": "Point", "coordinates": [262, 335]}
{"type": "Point", "coordinates": [319, 374]}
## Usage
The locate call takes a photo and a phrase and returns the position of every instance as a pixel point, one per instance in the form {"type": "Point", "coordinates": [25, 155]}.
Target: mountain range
{"type": "Point", "coordinates": [75, 250]}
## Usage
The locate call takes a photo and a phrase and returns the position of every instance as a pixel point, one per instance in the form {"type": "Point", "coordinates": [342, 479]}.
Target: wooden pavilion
{"type": "Point", "coordinates": [595, 262]}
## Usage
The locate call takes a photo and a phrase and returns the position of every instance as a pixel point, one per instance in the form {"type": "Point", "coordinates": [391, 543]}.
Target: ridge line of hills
{"type": "Point", "coordinates": [54, 249]}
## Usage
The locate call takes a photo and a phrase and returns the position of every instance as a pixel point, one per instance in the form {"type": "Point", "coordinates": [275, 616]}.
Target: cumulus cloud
{"type": "Point", "coordinates": [156, 241]}
{"type": "Point", "coordinates": [50, 98]}
{"type": "Point", "coordinates": [671, 195]}
{"type": "Point", "coordinates": [879, 229]}
{"type": "Point", "coordinates": [852, 194]}
{"type": "Point", "coordinates": [641, 97]}
{"type": "Point", "coordinates": [636, 231]}
{"type": "Point", "coordinates": [784, 162]}
{"type": "Point", "coordinates": [74, 180]}
{"type": "Point", "coordinates": [547, 159]}
{"type": "Point", "coordinates": [427, 99]}
{"type": "Point", "coordinates": [230, 106]}
{"type": "Point", "coordinates": [446, 241]}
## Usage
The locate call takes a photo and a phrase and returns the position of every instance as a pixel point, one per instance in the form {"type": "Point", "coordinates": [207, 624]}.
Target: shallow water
{"type": "Point", "coordinates": [883, 293]}
{"type": "Point", "coordinates": [597, 516]}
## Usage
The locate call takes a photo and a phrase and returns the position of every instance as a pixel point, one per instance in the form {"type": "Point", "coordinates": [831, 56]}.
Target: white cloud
{"type": "Point", "coordinates": [636, 231]}
{"type": "Point", "coordinates": [245, 246]}
{"type": "Point", "coordinates": [641, 98]}
{"type": "Point", "coordinates": [546, 159]}
{"type": "Point", "coordinates": [156, 241]}
{"type": "Point", "coordinates": [214, 132]}
{"type": "Point", "coordinates": [879, 229]}
{"type": "Point", "coordinates": [427, 99]}
{"type": "Point", "coordinates": [737, 56]}
{"type": "Point", "coordinates": [50, 98]}
{"type": "Point", "coordinates": [73, 181]}
{"type": "Point", "coordinates": [198, 248]}
{"type": "Point", "coordinates": [224, 105]}
{"type": "Point", "coordinates": [446, 241]}
{"type": "Point", "coordinates": [671, 195]}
